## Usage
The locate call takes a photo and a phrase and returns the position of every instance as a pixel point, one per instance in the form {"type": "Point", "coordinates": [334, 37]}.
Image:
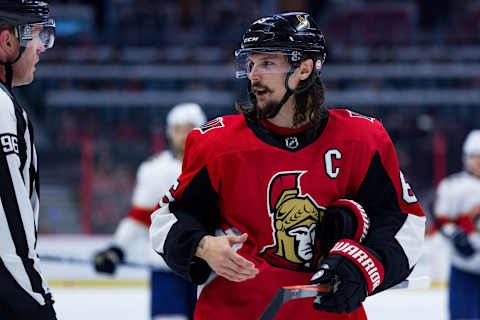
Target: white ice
{"type": "Point", "coordinates": [133, 304]}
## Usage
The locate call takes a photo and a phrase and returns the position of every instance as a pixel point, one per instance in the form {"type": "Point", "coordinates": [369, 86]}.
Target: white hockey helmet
{"type": "Point", "coordinates": [471, 146]}
{"type": "Point", "coordinates": [185, 113]}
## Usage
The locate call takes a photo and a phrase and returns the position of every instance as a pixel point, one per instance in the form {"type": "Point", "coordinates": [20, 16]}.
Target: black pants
{"type": "Point", "coordinates": [17, 304]}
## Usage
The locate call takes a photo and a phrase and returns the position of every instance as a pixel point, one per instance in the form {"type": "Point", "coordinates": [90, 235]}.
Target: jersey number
{"type": "Point", "coordinates": [407, 192]}
{"type": "Point", "coordinates": [9, 143]}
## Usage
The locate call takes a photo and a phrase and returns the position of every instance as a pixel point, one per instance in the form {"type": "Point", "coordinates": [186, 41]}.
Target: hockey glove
{"type": "Point", "coordinates": [462, 244]}
{"type": "Point", "coordinates": [353, 272]}
{"type": "Point", "coordinates": [343, 219]}
{"type": "Point", "coordinates": [106, 261]}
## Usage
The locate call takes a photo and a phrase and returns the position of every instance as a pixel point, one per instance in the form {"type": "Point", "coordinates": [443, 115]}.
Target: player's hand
{"type": "Point", "coordinates": [224, 260]}
{"type": "Point", "coordinates": [353, 271]}
{"type": "Point", "coordinates": [106, 261]}
{"type": "Point", "coordinates": [462, 244]}
{"type": "Point", "coordinates": [349, 286]}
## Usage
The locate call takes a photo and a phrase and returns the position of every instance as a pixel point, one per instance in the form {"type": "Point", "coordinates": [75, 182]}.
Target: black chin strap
{"type": "Point", "coordinates": [9, 68]}
{"type": "Point", "coordinates": [289, 92]}
{"type": "Point", "coordinates": [8, 75]}
{"type": "Point", "coordinates": [286, 96]}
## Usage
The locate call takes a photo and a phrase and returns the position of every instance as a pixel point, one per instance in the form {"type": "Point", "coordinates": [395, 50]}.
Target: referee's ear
{"type": "Point", "coordinates": [8, 45]}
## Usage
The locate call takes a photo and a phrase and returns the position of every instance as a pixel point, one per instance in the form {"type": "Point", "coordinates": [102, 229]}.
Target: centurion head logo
{"type": "Point", "coordinates": [294, 219]}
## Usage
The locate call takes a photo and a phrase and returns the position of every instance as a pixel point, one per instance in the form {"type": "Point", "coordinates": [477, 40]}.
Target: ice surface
{"type": "Point", "coordinates": [125, 303]}
{"type": "Point", "coordinates": [133, 303]}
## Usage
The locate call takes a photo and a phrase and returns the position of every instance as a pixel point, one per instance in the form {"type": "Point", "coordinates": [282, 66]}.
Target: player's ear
{"type": "Point", "coordinates": [306, 68]}
{"type": "Point", "coordinates": [7, 42]}
{"type": "Point", "coordinates": [4, 39]}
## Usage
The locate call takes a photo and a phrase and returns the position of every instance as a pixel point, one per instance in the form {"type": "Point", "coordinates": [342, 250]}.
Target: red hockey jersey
{"type": "Point", "coordinates": [274, 184]}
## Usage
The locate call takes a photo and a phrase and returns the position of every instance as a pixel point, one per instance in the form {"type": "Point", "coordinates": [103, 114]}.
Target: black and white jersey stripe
{"type": "Point", "coordinates": [19, 198]}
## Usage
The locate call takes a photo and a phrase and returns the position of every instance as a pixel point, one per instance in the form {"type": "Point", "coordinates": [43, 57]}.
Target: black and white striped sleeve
{"type": "Point", "coordinates": [19, 200]}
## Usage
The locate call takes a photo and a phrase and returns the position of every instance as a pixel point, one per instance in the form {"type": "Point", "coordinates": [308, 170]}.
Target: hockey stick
{"type": "Point", "coordinates": [288, 293]}
{"type": "Point", "coordinates": [52, 258]}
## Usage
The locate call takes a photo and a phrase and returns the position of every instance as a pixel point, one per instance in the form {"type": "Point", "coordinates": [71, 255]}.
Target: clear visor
{"type": "Point", "coordinates": [38, 34]}
{"type": "Point", "coordinates": [264, 61]}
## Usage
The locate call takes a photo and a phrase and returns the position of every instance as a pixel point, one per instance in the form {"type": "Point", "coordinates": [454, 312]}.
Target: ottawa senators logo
{"type": "Point", "coordinates": [294, 219]}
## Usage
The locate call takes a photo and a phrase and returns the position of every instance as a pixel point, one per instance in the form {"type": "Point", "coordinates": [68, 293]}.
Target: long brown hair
{"type": "Point", "coordinates": [309, 105]}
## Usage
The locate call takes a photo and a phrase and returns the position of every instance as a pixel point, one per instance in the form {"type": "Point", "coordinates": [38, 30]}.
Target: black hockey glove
{"type": "Point", "coordinates": [343, 219]}
{"type": "Point", "coordinates": [354, 273]}
{"type": "Point", "coordinates": [106, 261]}
{"type": "Point", "coordinates": [462, 244]}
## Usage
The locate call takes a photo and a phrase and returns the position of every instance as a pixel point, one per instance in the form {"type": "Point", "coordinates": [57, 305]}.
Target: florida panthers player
{"type": "Point", "coordinates": [457, 209]}
{"type": "Point", "coordinates": [171, 295]}
{"type": "Point", "coordinates": [288, 192]}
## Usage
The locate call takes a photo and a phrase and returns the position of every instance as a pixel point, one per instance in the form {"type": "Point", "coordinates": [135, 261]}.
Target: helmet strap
{"type": "Point", "coordinates": [286, 96]}
{"type": "Point", "coordinates": [251, 95]}
{"type": "Point", "coordinates": [289, 92]}
{"type": "Point", "coordinates": [20, 52]}
{"type": "Point", "coordinates": [9, 65]}
{"type": "Point", "coordinates": [22, 48]}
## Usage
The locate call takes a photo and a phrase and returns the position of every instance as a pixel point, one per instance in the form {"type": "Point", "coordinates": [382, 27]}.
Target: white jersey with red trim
{"type": "Point", "coordinates": [458, 199]}
{"type": "Point", "coordinates": [154, 177]}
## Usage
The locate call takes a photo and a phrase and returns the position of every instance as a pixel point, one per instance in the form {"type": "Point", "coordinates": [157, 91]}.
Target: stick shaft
{"type": "Point", "coordinates": [287, 293]}
{"type": "Point", "coordinates": [75, 260]}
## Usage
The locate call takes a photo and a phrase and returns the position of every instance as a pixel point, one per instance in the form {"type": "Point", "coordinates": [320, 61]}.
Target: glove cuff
{"type": "Point", "coordinates": [371, 267]}
{"type": "Point", "coordinates": [363, 222]}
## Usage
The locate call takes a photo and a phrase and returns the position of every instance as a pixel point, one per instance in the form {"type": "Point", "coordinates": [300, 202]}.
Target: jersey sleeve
{"type": "Point", "coordinates": [445, 200]}
{"type": "Point", "coordinates": [397, 227]}
{"type": "Point", "coordinates": [456, 206]}
{"type": "Point", "coordinates": [187, 213]}
{"type": "Point", "coordinates": [145, 195]}
{"type": "Point", "coordinates": [141, 215]}
{"type": "Point", "coordinates": [154, 177]}
{"type": "Point", "coordinates": [15, 203]}
{"type": "Point", "coordinates": [128, 233]}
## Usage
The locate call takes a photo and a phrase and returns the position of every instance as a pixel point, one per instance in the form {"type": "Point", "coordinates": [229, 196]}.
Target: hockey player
{"type": "Point", "coordinates": [170, 294]}
{"type": "Point", "coordinates": [288, 192]}
{"type": "Point", "coordinates": [457, 209]}
{"type": "Point", "coordinates": [26, 30]}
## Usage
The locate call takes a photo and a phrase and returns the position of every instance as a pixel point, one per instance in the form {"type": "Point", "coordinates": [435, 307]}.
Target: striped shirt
{"type": "Point", "coordinates": [19, 198]}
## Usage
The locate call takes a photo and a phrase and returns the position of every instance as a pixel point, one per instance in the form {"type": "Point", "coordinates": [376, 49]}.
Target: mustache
{"type": "Point", "coordinates": [260, 86]}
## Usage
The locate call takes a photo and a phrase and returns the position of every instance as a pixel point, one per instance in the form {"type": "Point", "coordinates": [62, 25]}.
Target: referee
{"type": "Point", "coordinates": [26, 30]}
